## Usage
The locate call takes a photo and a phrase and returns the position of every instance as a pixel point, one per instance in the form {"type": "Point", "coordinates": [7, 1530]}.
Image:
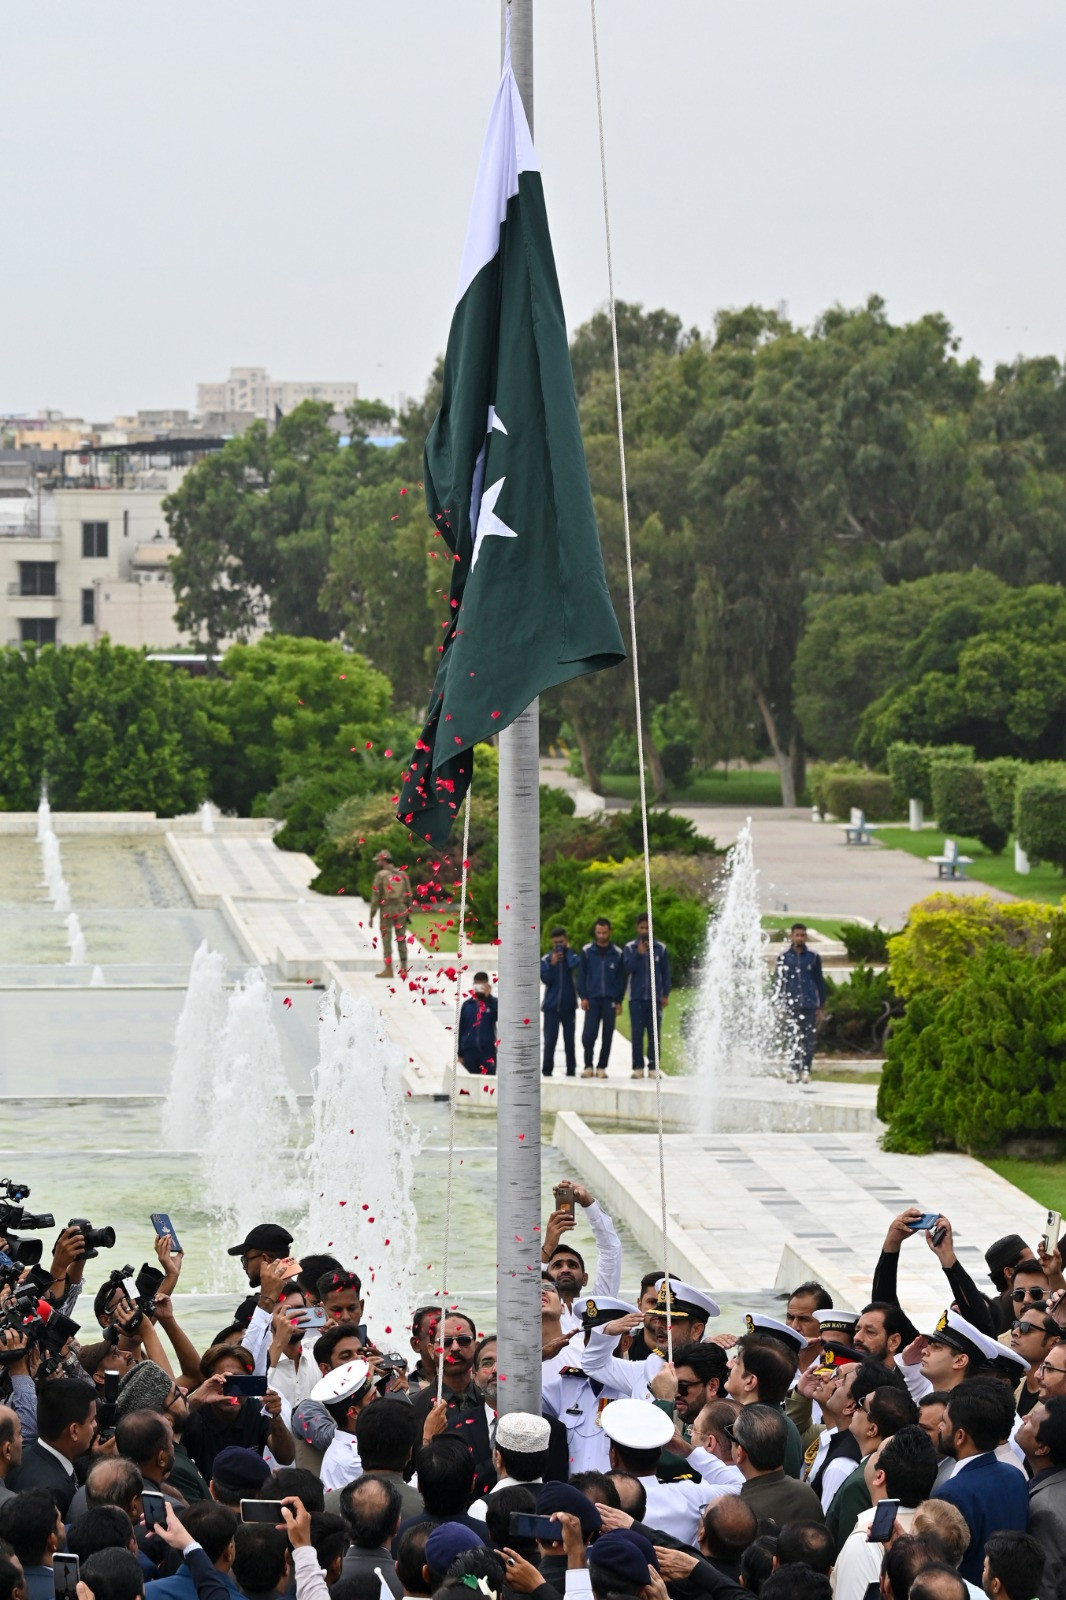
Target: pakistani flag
{"type": "Point", "coordinates": [507, 485]}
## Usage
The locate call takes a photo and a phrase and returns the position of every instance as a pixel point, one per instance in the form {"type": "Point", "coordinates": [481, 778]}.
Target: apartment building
{"type": "Point", "coordinates": [252, 390]}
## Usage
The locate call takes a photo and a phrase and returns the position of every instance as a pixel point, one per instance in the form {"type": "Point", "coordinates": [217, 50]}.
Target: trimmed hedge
{"type": "Point", "coordinates": [961, 805]}
{"type": "Point", "coordinates": [1001, 780]}
{"type": "Point", "coordinates": [1040, 813]}
{"type": "Point", "coordinates": [910, 767]}
{"type": "Point", "coordinates": [946, 933]}
{"type": "Point", "coordinates": [870, 792]}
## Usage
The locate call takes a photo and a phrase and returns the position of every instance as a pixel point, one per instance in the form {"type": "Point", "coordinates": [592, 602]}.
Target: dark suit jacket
{"type": "Point", "coordinates": [466, 1417]}
{"type": "Point", "coordinates": [39, 1469]}
{"type": "Point", "coordinates": [772, 1494]}
{"type": "Point", "coordinates": [993, 1498]}
{"type": "Point", "coordinates": [1047, 1523]}
{"type": "Point", "coordinates": [359, 1565]}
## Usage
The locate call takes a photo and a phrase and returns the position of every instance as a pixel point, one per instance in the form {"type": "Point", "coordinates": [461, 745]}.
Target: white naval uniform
{"type": "Point", "coordinates": [629, 1378]}
{"type": "Point", "coordinates": [608, 1274]}
{"type": "Point", "coordinates": [570, 1398]}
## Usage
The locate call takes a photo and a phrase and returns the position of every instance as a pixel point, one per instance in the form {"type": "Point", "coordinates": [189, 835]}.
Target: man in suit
{"type": "Point", "coordinates": [10, 1449]}
{"type": "Point", "coordinates": [66, 1426]}
{"type": "Point", "coordinates": [992, 1497]}
{"type": "Point", "coordinates": [759, 1436]}
{"type": "Point", "coordinates": [33, 1527]}
{"type": "Point", "coordinates": [371, 1510]}
{"type": "Point", "coordinates": [1042, 1436]}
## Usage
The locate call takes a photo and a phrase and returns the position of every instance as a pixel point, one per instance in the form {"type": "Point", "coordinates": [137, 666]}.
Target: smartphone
{"type": "Point", "coordinates": [928, 1219]}
{"type": "Point", "coordinates": [543, 1528]}
{"type": "Point", "coordinates": [155, 1509]}
{"type": "Point", "coordinates": [884, 1521]}
{"type": "Point", "coordinates": [564, 1197]}
{"type": "Point", "coordinates": [308, 1317]}
{"type": "Point", "coordinates": [66, 1574]}
{"type": "Point", "coordinates": [242, 1385]}
{"type": "Point", "coordinates": [1051, 1232]}
{"type": "Point", "coordinates": [360, 1333]}
{"type": "Point", "coordinates": [262, 1511]}
{"type": "Point", "coordinates": [164, 1229]}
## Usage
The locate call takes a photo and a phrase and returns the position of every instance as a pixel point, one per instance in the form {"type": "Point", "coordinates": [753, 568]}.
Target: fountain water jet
{"type": "Point", "coordinates": [51, 865]}
{"type": "Point", "coordinates": [738, 1028]}
{"type": "Point", "coordinates": [196, 1051]}
{"type": "Point", "coordinates": [207, 818]}
{"type": "Point", "coordinates": [76, 939]}
{"type": "Point", "coordinates": [97, 980]}
{"type": "Point", "coordinates": [361, 1158]}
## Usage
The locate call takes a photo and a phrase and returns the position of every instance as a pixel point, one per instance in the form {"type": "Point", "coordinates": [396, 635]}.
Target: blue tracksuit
{"type": "Point", "coordinates": [637, 967]}
{"type": "Point", "coordinates": [477, 1033]}
{"type": "Point", "coordinates": [559, 1006]}
{"type": "Point", "coordinates": [602, 982]}
{"type": "Point", "coordinates": [801, 984]}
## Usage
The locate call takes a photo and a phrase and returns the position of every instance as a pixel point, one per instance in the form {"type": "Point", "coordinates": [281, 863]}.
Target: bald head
{"type": "Point", "coordinates": [115, 1481]}
{"type": "Point", "coordinates": [729, 1526]}
{"type": "Point", "coordinates": [938, 1583]}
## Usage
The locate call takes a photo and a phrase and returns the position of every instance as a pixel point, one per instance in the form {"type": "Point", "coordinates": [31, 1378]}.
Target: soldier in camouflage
{"type": "Point", "coordinates": [390, 900]}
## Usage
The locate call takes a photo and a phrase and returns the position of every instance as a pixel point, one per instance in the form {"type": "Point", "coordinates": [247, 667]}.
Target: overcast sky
{"type": "Point", "coordinates": [261, 182]}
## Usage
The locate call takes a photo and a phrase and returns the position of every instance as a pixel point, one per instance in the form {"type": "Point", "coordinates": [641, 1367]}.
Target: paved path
{"type": "Point", "coordinates": [806, 867]}
{"type": "Point", "coordinates": [750, 1209]}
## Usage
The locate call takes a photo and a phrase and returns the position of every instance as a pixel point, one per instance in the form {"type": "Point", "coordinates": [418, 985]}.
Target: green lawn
{"type": "Point", "coordinates": [674, 1052]}
{"type": "Point", "coordinates": [1044, 1181]}
{"type": "Point", "coordinates": [739, 788]}
{"type": "Point", "coordinates": [1043, 883]}
{"type": "Point", "coordinates": [830, 926]}
{"type": "Point", "coordinates": [424, 924]}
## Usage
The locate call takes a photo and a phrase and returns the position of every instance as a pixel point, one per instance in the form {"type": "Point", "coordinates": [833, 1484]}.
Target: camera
{"type": "Point", "coordinates": [12, 1216]}
{"type": "Point", "coordinates": [139, 1291]}
{"type": "Point", "coordinates": [96, 1239]}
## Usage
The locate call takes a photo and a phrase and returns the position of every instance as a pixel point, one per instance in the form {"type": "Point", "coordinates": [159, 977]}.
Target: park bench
{"type": "Point", "coordinates": [857, 830]}
{"type": "Point", "coordinates": [951, 864]}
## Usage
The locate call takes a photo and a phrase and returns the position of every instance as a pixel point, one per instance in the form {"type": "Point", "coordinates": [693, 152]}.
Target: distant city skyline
{"type": "Point", "coordinates": [289, 187]}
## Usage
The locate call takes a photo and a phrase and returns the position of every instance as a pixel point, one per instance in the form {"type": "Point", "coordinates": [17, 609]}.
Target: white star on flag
{"type": "Point", "coordinates": [488, 522]}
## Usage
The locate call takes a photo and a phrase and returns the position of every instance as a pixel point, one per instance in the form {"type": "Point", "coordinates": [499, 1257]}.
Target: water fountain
{"type": "Point", "coordinates": [76, 939]}
{"type": "Point", "coordinates": [737, 1027]}
{"type": "Point", "coordinates": [97, 980]}
{"type": "Point", "coordinates": [361, 1157]}
{"type": "Point", "coordinates": [51, 864]}
{"type": "Point", "coordinates": [196, 1051]}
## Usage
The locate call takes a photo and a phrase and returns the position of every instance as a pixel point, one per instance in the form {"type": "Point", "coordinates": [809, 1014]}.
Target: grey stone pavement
{"type": "Point", "coordinates": [805, 867]}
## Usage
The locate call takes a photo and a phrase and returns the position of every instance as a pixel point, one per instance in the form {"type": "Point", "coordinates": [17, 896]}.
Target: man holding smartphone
{"type": "Point", "coordinates": [899, 1476]}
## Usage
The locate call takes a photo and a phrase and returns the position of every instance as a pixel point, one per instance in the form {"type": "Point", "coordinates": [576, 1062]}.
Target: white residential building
{"type": "Point", "coordinates": [252, 390]}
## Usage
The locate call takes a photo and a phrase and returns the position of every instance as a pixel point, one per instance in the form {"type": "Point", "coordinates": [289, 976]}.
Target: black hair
{"type": "Point", "coordinates": [371, 1509]}
{"type": "Point", "coordinates": [114, 1575]}
{"type": "Point", "coordinates": [909, 1462]}
{"type": "Point", "coordinates": [212, 1525]}
{"type": "Point", "coordinates": [890, 1409]}
{"type": "Point", "coordinates": [27, 1522]}
{"type": "Point", "coordinates": [314, 1267]}
{"type": "Point", "coordinates": [385, 1433]}
{"type": "Point", "coordinates": [421, 1313]}
{"type": "Point", "coordinates": [562, 1249]}
{"type": "Point", "coordinates": [324, 1346]}
{"type": "Point", "coordinates": [1017, 1560]}
{"type": "Point", "coordinates": [938, 1582]}
{"type": "Point", "coordinates": [101, 1528]}
{"type": "Point", "coordinates": [329, 1535]}
{"type": "Point", "coordinates": [141, 1434]}
{"type": "Point", "coordinates": [1000, 1396]}
{"type": "Point", "coordinates": [651, 1278]}
{"type": "Point", "coordinates": [641, 1463]}
{"type": "Point", "coordinates": [603, 1488]}
{"type": "Point", "coordinates": [259, 1557]}
{"type": "Point", "coordinates": [410, 1555]}
{"type": "Point", "coordinates": [481, 977]}
{"type": "Point", "coordinates": [1052, 1431]}
{"type": "Point", "coordinates": [338, 1280]}
{"type": "Point", "coordinates": [795, 1581]}
{"type": "Point", "coordinates": [975, 1408]}
{"type": "Point", "coordinates": [896, 1319]}
{"type": "Point", "coordinates": [806, 1544]}
{"type": "Point", "coordinates": [823, 1300]}
{"type": "Point", "coordinates": [771, 1363]}
{"type": "Point", "coordinates": [765, 1436]}
{"type": "Point", "coordinates": [525, 1466]}
{"type": "Point", "coordinates": [706, 1360]}
{"type": "Point", "coordinates": [601, 922]}
{"type": "Point", "coordinates": [445, 1469]}
{"type": "Point", "coordinates": [61, 1402]}
{"type": "Point", "coordinates": [757, 1562]}
{"type": "Point", "coordinates": [909, 1555]}
{"type": "Point", "coordinates": [11, 1577]}
{"type": "Point", "coordinates": [490, 1338]}
{"type": "Point", "coordinates": [500, 1505]}
{"type": "Point", "coordinates": [224, 1335]}
{"type": "Point", "coordinates": [638, 1495]}
{"type": "Point", "coordinates": [299, 1481]}
{"type": "Point", "coordinates": [478, 1562]}
{"type": "Point", "coordinates": [872, 1376]}
{"type": "Point", "coordinates": [557, 933]}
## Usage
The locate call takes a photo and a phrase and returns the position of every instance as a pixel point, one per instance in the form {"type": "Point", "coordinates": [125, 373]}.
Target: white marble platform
{"type": "Point", "coordinates": [773, 1208]}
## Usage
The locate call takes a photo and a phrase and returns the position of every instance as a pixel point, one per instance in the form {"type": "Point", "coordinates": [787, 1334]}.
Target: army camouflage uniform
{"type": "Point", "coordinates": [390, 901]}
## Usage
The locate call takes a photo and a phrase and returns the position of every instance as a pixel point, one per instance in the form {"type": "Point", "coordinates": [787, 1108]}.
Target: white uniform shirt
{"type": "Point", "coordinates": [608, 1274]}
{"type": "Point", "coordinates": [341, 1463]}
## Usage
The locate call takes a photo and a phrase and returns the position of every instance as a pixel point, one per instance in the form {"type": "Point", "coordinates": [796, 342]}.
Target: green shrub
{"type": "Point", "coordinates": [984, 1062]}
{"type": "Point", "coordinates": [1001, 779]}
{"type": "Point", "coordinates": [946, 933]}
{"type": "Point", "coordinates": [961, 805]}
{"type": "Point", "coordinates": [869, 792]}
{"type": "Point", "coordinates": [865, 944]}
{"type": "Point", "coordinates": [910, 768]}
{"type": "Point", "coordinates": [616, 890]}
{"type": "Point", "coordinates": [858, 1011]}
{"type": "Point", "coordinates": [818, 777]}
{"type": "Point", "coordinates": [1040, 813]}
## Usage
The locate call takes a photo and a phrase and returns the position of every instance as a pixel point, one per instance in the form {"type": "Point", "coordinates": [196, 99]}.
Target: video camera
{"type": "Point", "coordinates": [31, 1317]}
{"type": "Point", "coordinates": [13, 1213]}
{"type": "Point", "coordinates": [139, 1291]}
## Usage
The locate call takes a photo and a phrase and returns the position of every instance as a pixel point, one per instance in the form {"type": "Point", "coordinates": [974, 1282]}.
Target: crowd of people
{"type": "Point", "coordinates": [816, 1452]}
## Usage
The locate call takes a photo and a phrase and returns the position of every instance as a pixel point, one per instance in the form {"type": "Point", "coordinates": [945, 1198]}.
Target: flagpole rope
{"type": "Point", "coordinates": [636, 685]}
{"type": "Point", "coordinates": [455, 1083]}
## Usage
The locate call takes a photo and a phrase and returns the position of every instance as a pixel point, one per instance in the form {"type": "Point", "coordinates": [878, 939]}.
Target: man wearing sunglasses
{"type": "Point", "coordinates": [1033, 1336]}
{"type": "Point", "coordinates": [465, 1409]}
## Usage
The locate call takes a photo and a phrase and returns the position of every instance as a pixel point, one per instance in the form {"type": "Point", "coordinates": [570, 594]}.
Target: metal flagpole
{"type": "Point", "coordinates": [518, 1072]}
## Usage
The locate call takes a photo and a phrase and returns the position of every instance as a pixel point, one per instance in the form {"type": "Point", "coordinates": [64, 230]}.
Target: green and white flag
{"type": "Point", "coordinates": [507, 485]}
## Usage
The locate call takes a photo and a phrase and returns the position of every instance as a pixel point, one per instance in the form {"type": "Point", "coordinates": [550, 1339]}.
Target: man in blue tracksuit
{"type": "Point", "coordinates": [557, 974]}
{"type": "Point", "coordinates": [477, 1028]}
{"type": "Point", "coordinates": [801, 985]}
{"type": "Point", "coordinates": [601, 984]}
{"type": "Point", "coordinates": [636, 961]}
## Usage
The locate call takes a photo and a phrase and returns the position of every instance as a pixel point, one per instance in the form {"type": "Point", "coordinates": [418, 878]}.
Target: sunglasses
{"type": "Point", "coordinates": [463, 1340]}
{"type": "Point", "coordinates": [730, 1435]}
{"type": "Point", "coordinates": [860, 1405]}
{"type": "Point", "coordinates": [685, 1384]}
{"type": "Point", "coordinates": [1021, 1326]}
{"type": "Point", "coordinates": [1038, 1294]}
